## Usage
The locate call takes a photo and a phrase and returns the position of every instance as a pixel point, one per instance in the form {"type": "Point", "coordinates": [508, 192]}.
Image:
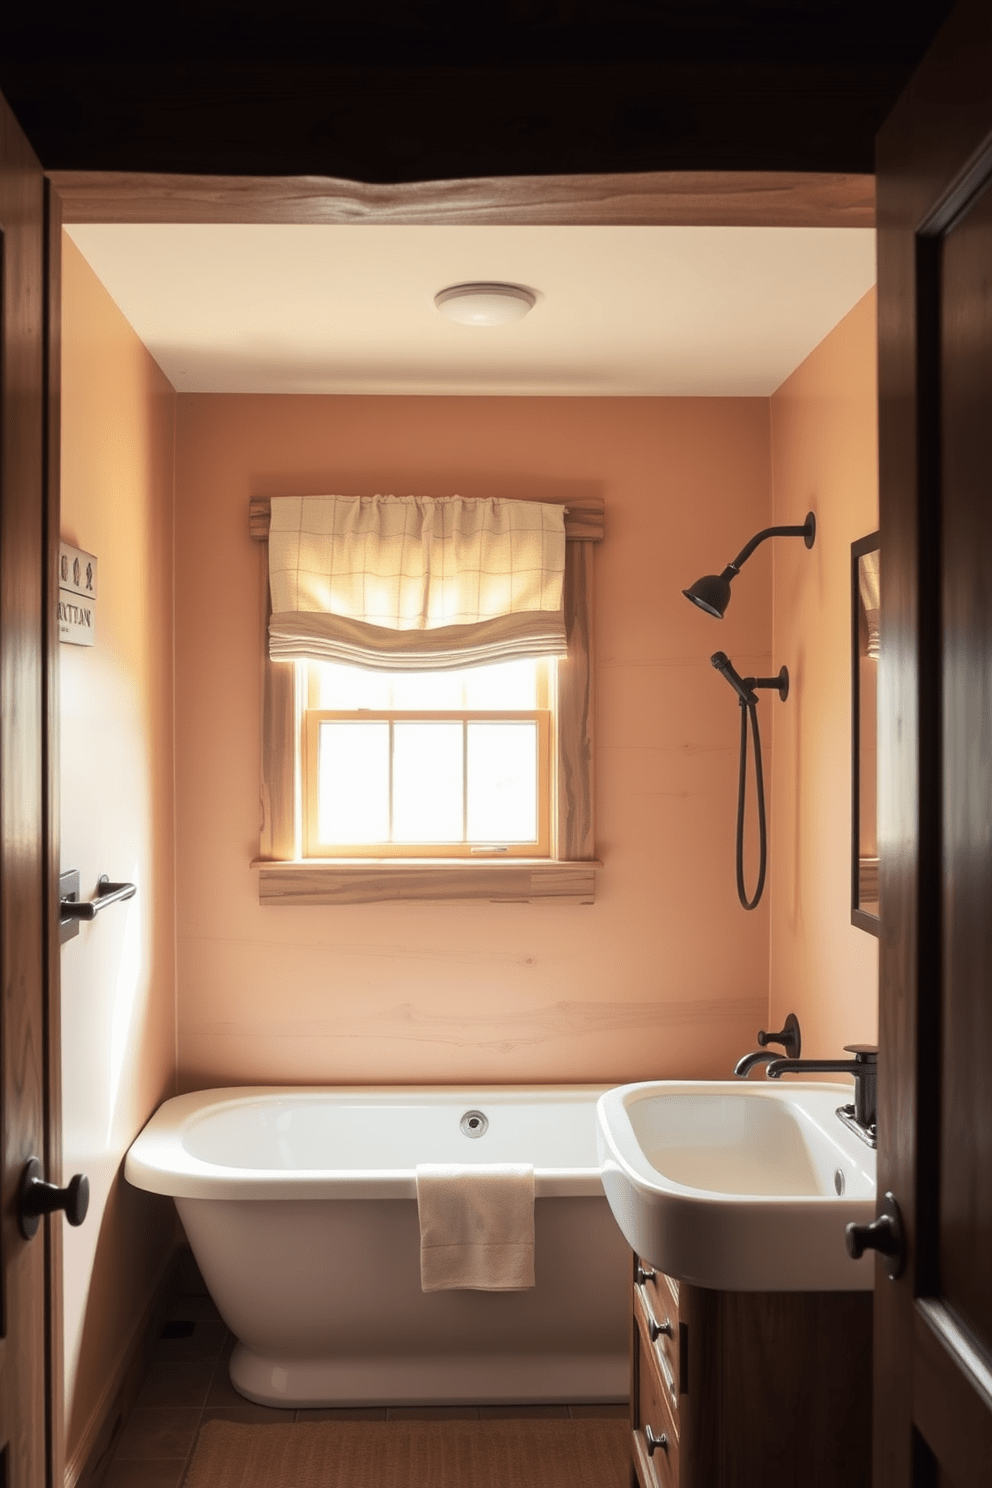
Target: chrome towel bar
{"type": "Point", "coordinates": [106, 893]}
{"type": "Point", "coordinates": [72, 909]}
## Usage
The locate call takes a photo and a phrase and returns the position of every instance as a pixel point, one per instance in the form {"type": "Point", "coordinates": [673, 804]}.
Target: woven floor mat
{"type": "Point", "coordinates": [413, 1454]}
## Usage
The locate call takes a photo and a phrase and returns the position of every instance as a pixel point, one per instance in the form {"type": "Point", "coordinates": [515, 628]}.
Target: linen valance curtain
{"type": "Point", "coordinates": [415, 583]}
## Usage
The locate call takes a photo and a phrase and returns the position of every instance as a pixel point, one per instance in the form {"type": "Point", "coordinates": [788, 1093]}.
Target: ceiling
{"type": "Point", "coordinates": [621, 311]}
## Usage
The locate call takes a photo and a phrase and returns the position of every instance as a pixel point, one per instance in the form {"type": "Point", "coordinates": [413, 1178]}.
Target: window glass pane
{"type": "Point", "coordinates": [353, 783]}
{"type": "Point", "coordinates": [502, 782]}
{"type": "Point", "coordinates": [427, 782]}
{"type": "Point", "coordinates": [505, 685]}
{"type": "Point", "coordinates": [343, 688]}
{"type": "Point", "coordinates": [427, 692]}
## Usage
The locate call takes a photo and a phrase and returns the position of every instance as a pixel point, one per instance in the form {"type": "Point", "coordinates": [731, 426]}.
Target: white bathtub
{"type": "Point", "coordinates": [300, 1206]}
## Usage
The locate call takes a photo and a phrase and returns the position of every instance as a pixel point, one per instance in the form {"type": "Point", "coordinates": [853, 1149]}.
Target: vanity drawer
{"type": "Point", "coordinates": [658, 1321]}
{"type": "Point", "coordinates": [657, 1467]}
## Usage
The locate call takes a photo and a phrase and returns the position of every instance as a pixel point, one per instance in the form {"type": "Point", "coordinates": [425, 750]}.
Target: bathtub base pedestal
{"type": "Point", "coordinates": [459, 1379]}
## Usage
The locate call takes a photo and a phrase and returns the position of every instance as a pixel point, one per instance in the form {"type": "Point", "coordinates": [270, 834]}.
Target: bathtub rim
{"type": "Point", "coordinates": [158, 1162]}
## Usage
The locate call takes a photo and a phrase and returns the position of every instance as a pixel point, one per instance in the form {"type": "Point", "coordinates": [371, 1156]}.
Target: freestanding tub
{"type": "Point", "coordinates": [300, 1206]}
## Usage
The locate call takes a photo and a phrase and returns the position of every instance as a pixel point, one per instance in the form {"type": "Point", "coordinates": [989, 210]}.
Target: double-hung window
{"type": "Point", "coordinates": [427, 764]}
{"type": "Point", "coordinates": [426, 728]}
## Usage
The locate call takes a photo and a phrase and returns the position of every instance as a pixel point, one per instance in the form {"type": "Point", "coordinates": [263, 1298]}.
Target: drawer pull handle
{"type": "Point", "coordinates": [658, 1329]}
{"type": "Point", "coordinates": [654, 1442]}
{"type": "Point", "coordinates": [644, 1275]}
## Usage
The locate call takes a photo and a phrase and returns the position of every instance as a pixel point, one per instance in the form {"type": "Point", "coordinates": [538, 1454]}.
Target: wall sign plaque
{"type": "Point", "coordinates": [77, 596]}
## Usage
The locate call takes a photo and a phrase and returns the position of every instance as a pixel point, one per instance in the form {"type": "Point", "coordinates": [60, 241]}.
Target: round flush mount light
{"type": "Point", "coordinates": [485, 304]}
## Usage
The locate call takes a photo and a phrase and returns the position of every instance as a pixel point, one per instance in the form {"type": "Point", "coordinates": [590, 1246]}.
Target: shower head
{"type": "Point", "coordinates": [712, 592]}
{"type": "Point", "coordinates": [723, 664]}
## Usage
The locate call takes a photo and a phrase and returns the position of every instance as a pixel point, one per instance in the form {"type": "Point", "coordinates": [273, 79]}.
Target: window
{"type": "Point", "coordinates": [318, 715]}
{"type": "Point", "coordinates": [426, 764]}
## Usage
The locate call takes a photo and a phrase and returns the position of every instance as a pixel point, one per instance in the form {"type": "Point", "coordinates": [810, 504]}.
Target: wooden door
{"type": "Point", "coordinates": [29, 1325]}
{"type": "Point", "coordinates": [933, 1329]}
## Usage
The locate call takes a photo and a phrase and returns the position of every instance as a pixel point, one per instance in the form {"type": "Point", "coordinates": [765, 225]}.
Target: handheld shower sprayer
{"type": "Point", "coordinates": [748, 700]}
{"type": "Point", "coordinates": [723, 664]}
{"type": "Point", "coordinates": [744, 686]}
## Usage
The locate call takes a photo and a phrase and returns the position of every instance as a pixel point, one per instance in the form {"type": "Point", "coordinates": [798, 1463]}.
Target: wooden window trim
{"type": "Point", "coordinates": [566, 878]}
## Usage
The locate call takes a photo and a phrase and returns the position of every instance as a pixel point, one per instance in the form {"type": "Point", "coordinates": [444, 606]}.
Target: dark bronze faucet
{"type": "Point", "coordinates": [744, 1066]}
{"type": "Point", "coordinates": [862, 1116]}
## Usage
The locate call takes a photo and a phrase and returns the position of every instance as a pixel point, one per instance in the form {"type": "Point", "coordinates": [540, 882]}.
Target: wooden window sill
{"type": "Point", "coordinates": [426, 880]}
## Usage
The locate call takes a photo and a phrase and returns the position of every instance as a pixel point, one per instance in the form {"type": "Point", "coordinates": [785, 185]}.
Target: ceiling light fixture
{"type": "Point", "coordinates": [485, 304]}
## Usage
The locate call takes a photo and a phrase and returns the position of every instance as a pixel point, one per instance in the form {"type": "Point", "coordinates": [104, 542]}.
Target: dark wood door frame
{"type": "Point", "coordinates": [934, 153]}
{"type": "Point", "coordinates": [55, 1404]}
{"type": "Point", "coordinates": [30, 1084]}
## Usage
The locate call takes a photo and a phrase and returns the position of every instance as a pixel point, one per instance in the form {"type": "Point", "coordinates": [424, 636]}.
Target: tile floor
{"type": "Point", "coordinates": [188, 1384]}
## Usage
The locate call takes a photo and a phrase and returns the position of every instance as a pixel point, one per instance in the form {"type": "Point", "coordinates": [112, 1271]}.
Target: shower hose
{"type": "Point", "coordinates": [752, 708]}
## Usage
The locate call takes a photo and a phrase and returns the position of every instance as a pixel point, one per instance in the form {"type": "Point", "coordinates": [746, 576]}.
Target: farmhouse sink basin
{"type": "Point", "coordinates": [743, 1187]}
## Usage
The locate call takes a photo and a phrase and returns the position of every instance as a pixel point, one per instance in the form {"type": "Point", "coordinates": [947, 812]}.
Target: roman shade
{"type": "Point", "coordinates": [415, 583]}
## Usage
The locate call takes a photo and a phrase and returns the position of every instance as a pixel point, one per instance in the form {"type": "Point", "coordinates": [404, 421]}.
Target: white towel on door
{"type": "Point", "coordinates": [476, 1226]}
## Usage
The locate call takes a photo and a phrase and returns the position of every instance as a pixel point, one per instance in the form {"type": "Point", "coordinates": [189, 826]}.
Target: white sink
{"type": "Point", "coordinates": [734, 1185]}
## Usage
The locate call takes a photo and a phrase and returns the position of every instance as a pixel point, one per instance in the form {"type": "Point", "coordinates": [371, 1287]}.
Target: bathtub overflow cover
{"type": "Point", "coordinates": [474, 1123]}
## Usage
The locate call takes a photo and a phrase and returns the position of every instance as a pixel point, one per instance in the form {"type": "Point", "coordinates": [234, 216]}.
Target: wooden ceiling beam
{"type": "Point", "coordinates": [647, 199]}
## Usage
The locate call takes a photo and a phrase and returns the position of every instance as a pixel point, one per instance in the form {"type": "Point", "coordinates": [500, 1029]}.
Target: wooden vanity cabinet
{"type": "Point", "coordinates": [749, 1389]}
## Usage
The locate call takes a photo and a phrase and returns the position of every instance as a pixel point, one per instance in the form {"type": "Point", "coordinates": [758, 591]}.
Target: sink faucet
{"type": "Point", "coordinates": [788, 1036]}
{"type": "Point", "coordinates": [744, 1066]}
{"type": "Point", "coordinates": [862, 1116]}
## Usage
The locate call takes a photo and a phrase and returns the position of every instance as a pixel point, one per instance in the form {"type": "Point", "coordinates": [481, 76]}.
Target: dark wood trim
{"type": "Point", "coordinates": [634, 1353]}
{"type": "Point", "coordinates": [24, 1386]}
{"type": "Point", "coordinates": [50, 816]}
{"type": "Point", "coordinates": [898, 805]}
{"type": "Point", "coordinates": [952, 1406]}
{"type": "Point", "coordinates": [926, 159]}
{"type": "Point", "coordinates": [680, 198]}
{"type": "Point", "coordinates": [583, 518]}
{"type": "Point", "coordinates": [859, 917]}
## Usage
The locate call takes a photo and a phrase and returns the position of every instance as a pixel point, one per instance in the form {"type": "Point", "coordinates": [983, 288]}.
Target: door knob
{"type": "Point", "coordinates": [885, 1234]}
{"type": "Point", "coordinates": [38, 1197]}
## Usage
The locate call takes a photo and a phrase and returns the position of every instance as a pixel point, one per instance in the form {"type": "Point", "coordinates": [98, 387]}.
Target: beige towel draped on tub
{"type": "Point", "coordinates": [476, 1226]}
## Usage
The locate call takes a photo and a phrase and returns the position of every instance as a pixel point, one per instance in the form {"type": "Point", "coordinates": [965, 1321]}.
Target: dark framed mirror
{"type": "Point", "coordinates": [865, 607]}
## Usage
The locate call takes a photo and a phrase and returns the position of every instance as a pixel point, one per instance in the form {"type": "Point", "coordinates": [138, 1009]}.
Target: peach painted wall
{"type": "Point", "coordinates": [824, 458]}
{"type": "Point", "coordinates": [118, 975]}
{"type": "Point", "coordinates": [665, 975]}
